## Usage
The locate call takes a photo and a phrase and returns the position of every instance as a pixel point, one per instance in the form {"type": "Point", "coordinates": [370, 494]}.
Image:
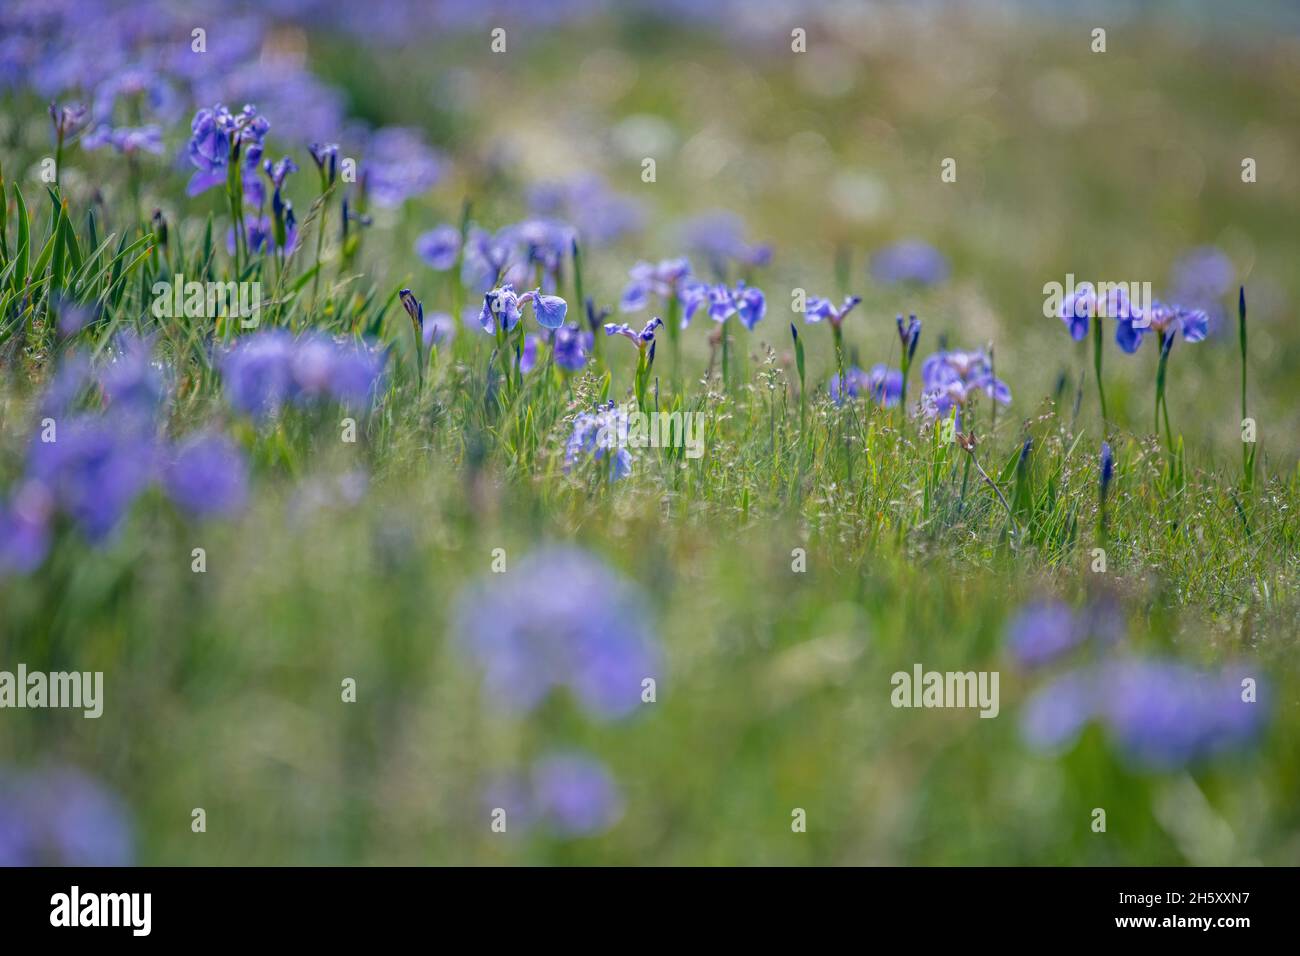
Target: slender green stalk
{"type": "Point", "coordinates": [1096, 364]}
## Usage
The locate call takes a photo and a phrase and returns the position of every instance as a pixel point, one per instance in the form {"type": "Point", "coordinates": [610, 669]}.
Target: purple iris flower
{"type": "Point", "coordinates": [500, 310]}
{"type": "Point", "coordinates": [598, 435]}
{"type": "Point", "coordinates": [571, 344]}
{"type": "Point", "coordinates": [93, 471]}
{"type": "Point", "coordinates": [908, 336]}
{"type": "Point", "coordinates": [642, 338]}
{"type": "Point", "coordinates": [910, 260]}
{"type": "Point", "coordinates": [216, 133]}
{"type": "Point", "coordinates": [722, 303]}
{"type": "Point", "coordinates": [818, 308]}
{"type": "Point", "coordinates": [439, 247]}
{"type": "Point", "coordinates": [576, 794]}
{"type": "Point", "coordinates": [1130, 323]}
{"type": "Point", "coordinates": [58, 816]}
{"type": "Point", "coordinates": [1078, 308]}
{"type": "Point", "coordinates": [207, 476]}
{"type": "Point", "coordinates": [326, 158]}
{"type": "Point", "coordinates": [279, 171]}
{"type": "Point", "coordinates": [952, 378]}
{"type": "Point", "coordinates": [751, 305]}
{"type": "Point", "coordinates": [562, 620]}
{"type": "Point", "coordinates": [549, 310]}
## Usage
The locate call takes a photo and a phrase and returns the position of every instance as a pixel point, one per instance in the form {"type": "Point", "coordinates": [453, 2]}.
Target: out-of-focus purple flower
{"type": "Point", "coordinates": [818, 308]}
{"type": "Point", "coordinates": [1161, 715]}
{"type": "Point", "coordinates": [560, 619]}
{"type": "Point", "coordinates": [544, 243]}
{"type": "Point", "coordinates": [326, 158]}
{"type": "Point", "coordinates": [266, 370]}
{"type": "Point", "coordinates": [849, 385]}
{"type": "Point", "coordinates": [93, 470]}
{"type": "Point", "coordinates": [600, 216]}
{"type": "Point", "coordinates": [1164, 715]}
{"type": "Point", "coordinates": [60, 817]}
{"type": "Point", "coordinates": [128, 140]}
{"type": "Point", "coordinates": [439, 247]}
{"type": "Point", "coordinates": [25, 529]}
{"type": "Point", "coordinates": [1201, 279]}
{"type": "Point", "coordinates": [951, 379]}
{"type": "Point", "coordinates": [257, 372]}
{"type": "Point", "coordinates": [1056, 714]}
{"type": "Point", "coordinates": [349, 372]}
{"type": "Point", "coordinates": [488, 258]}
{"type": "Point", "coordinates": [399, 165]}
{"type": "Point", "coordinates": [642, 338]}
{"type": "Point", "coordinates": [207, 476]}
{"type": "Point", "coordinates": [1044, 631]}
{"type": "Point", "coordinates": [882, 384]}
{"type": "Point", "coordinates": [1107, 468]}
{"type": "Point", "coordinates": [528, 355]}
{"type": "Point", "coordinates": [910, 260]}
{"type": "Point", "coordinates": [571, 344]}
{"type": "Point", "coordinates": [599, 435]}
{"type": "Point", "coordinates": [439, 329]}
{"type": "Point", "coordinates": [576, 794]}
{"type": "Point", "coordinates": [132, 380]}
{"type": "Point", "coordinates": [68, 119]}
{"type": "Point", "coordinates": [665, 279]}
{"type": "Point", "coordinates": [718, 236]}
